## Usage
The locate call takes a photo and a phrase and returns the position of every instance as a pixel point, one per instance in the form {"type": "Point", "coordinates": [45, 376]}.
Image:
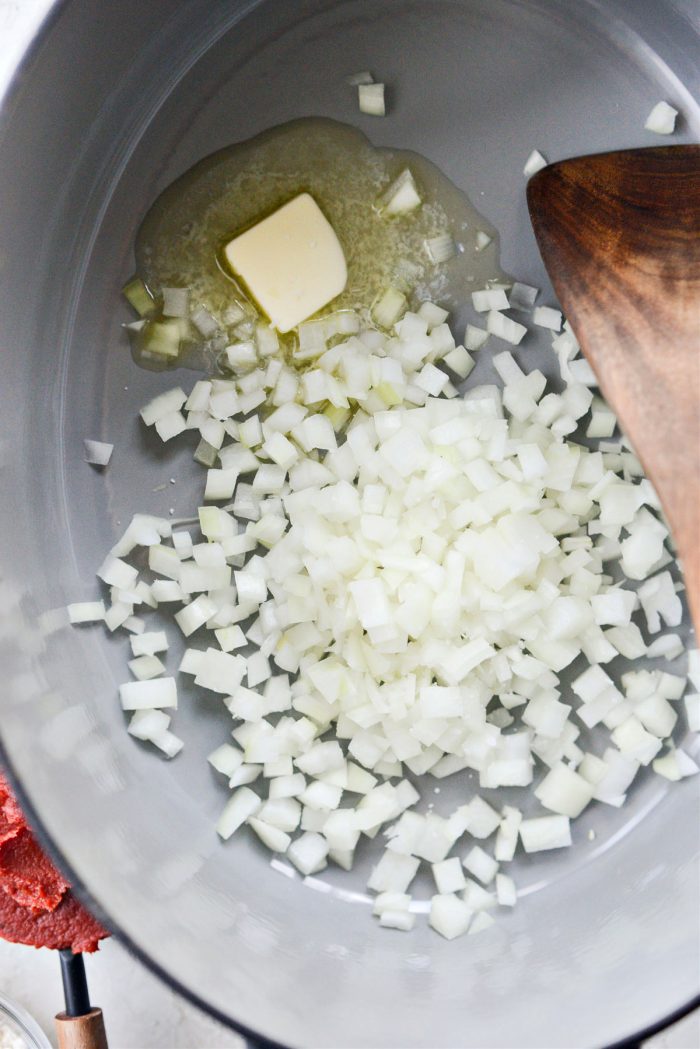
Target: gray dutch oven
{"type": "Point", "coordinates": [110, 102]}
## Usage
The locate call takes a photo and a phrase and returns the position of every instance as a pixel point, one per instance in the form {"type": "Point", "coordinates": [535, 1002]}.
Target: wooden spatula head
{"type": "Point", "coordinates": [620, 237]}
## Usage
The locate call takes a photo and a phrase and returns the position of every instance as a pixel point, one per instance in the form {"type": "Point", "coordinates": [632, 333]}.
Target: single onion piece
{"type": "Point", "coordinates": [662, 119]}
{"type": "Point", "coordinates": [522, 296]}
{"type": "Point", "coordinates": [98, 453]}
{"type": "Point", "coordinates": [309, 853]}
{"type": "Point", "coordinates": [506, 893]}
{"type": "Point", "coordinates": [401, 196]}
{"type": "Point", "coordinates": [175, 302]}
{"type": "Point", "coordinates": [449, 916]}
{"type": "Point", "coordinates": [546, 317]}
{"type": "Point", "coordinates": [545, 832]}
{"type": "Point", "coordinates": [86, 612]}
{"type": "Point", "coordinates": [371, 99]}
{"type": "Point", "coordinates": [355, 79]}
{"type": "Point", "coordinates": [242, 804]}
{"type": "Point", "coordinates": [145, 695]}
{"type": "Point", "coordinates": [482, 240]}
{"type": "Point", "coordinates": [441, 248]}
{"type": "Point", "coordinates": [534, 163]}
{"type": "Point", "coordinates": [490, 299]}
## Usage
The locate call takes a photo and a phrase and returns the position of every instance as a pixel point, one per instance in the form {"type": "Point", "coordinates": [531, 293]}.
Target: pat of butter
{"type": "Point", "coordinates": [292, 262]}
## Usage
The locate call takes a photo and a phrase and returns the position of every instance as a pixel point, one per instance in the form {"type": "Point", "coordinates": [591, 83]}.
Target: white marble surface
{"type": "Point", "coordinates": [141, 1012]}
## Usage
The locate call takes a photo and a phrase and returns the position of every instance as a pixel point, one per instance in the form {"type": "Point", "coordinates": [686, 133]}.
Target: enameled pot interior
{"type": "Point", "coordinates": [605, 940]}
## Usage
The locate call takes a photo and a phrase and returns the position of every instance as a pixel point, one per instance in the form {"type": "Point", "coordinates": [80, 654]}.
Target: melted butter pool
{"type": "Point", "coordinates": [180, 241]}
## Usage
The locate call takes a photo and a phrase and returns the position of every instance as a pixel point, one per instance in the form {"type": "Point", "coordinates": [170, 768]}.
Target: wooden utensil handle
{"type": "Point", "coordinates": [81, 1032]}
{"type": "Point", "coordinates": [620, 237]}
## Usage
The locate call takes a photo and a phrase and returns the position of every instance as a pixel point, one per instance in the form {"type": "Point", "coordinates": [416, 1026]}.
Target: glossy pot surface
{"type": "Point", "coordinates": [111, 103]}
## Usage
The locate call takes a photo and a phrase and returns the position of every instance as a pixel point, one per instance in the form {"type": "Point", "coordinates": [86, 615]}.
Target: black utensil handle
{"type": "Point", "coordinates": [75, 988]}
{"type": "Point", "coordinates": [81, 1026]}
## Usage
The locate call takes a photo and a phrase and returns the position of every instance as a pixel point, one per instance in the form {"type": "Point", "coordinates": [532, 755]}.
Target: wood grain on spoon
{"type": "Point", "coordinates": [620, 237]}
{"type": "Point", "coordinates": [81, 1032]}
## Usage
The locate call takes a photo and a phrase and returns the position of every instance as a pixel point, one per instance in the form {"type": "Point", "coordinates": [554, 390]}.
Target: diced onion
{"type": "Point", "coordinates": [505, 890]}
{"type": "Point", "coordinates": [449, 916]}
{"type": "Point", "coordinates": [175, 302]}
{"type": "Point", "coordinates": [371, 99]}
{"type": "Point", "coordinates": [546, 317]}
{"type": "Point", "coordinates": [389, 307]}
{"type": "Point", "coordinates": [480, 864]}
{"type": "Point", "coordinates": [441, 248]}
{"type": "Point", "coordinates": [242, 804]}
{"type": "Point", "coordinates": [505, 328]}
{"type": "Point", "coordinates": [522, 296]}
{"type": "Point", "coordinates": [355, 79]}
{"type": "Point", "coordinates": [534, 163]}
{"type": "Point", "coordinates": [401, 196]}
{"type": "Point", "coordinates": [409, 572]}
{"type": "Point", "coordinates": [490, 299]}
{"type": "Point", "coordinates": [86, 612]}
{"type": "Point", "coordinates": [545, 832]}
{"type": "Point", "coordinates": [662, 119]}
{"type": "Point", "coordinates": [98, 453]}
{"type": "Point", "coordinates": [147, 695]}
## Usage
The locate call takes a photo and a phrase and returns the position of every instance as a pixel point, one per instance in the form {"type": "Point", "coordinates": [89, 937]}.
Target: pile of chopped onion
{"type": "Point", "coordinates": [408, 572]}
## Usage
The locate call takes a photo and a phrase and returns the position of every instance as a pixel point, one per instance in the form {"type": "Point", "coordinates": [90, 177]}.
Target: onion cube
{"type": "Point", "coordinates": [401, 196]}
{"type": "Point", "coordinates": [564, 791]}
{"type": "Point", "coordinates": [147, 724]}
{"type": "Point", "coordinates": [276, 840]}
{"type": "Point", "coordinates": [480, 864]}
{"type": "Point", "coordinates": [371, 99]}
{"type": "Point", "coordinates": [162, 405]}
{"type": "Point", "coordinates": [490, 299]}
{"type": "Point", "coordinates": [195, 615]}
{"type": "Point", "coordinates": [546, 317]}
{"type": "Point", "coordinates": [505, 328]}
{"type": "Point", "coordinates": [98, 453]}
{"type": "Point", "coordinates": [545, 832]}
{"type": "Point", "coordinates": [449, 876]}
{"type": "Point", "coordinates": [86, 612]}
{"type": "Point", "coordinates": [505, 890]}
{"type": "Point", "coordinates": [475, 338]}
{"type": "Point", "coordinates": [144, 695]}
{"type": "Point", "coordinates": [449, 916]}
{"type": "Point", "coordinates": [220, 484]}
{"type": "Point", "coordinates": [309, 853]}
{"type": "Point", "coordinates": [171, 425]}
{"type": "Point", "coordinates": [507, 837]}
{"type": "Point", "coordinates": [220, 672]}
{"type": "Point", "coordinates": [534, 163]}
{"type": "Point", "coordinates": [692, 710]}
{"type": "Point", "coordinates": [662, 119]}
{"type": "Point", "coordinates": [281, 450]}
{"type": "Point", "coordinates": [146, 667]}
{"type": "Point", "coordinates": [242, 804]}
{"type": "Point", "coordinates": [393, 873]}
{"type": "Point", "coordinates": [402, 920]}
{"type": "Point", "coordinates": [175, 302]}
{"type": "Point", "coordinates": [226, 759]}
{"type": "Point", "coordinates": [459, 361]}
{"type": "Point", "coordinates": [522, 296]}
{"type": "Point", "coordinates": [477, 898]}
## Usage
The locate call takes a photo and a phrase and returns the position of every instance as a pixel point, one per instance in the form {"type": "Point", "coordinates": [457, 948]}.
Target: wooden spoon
{"type": "Point", "coordinates": [620, 237]}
